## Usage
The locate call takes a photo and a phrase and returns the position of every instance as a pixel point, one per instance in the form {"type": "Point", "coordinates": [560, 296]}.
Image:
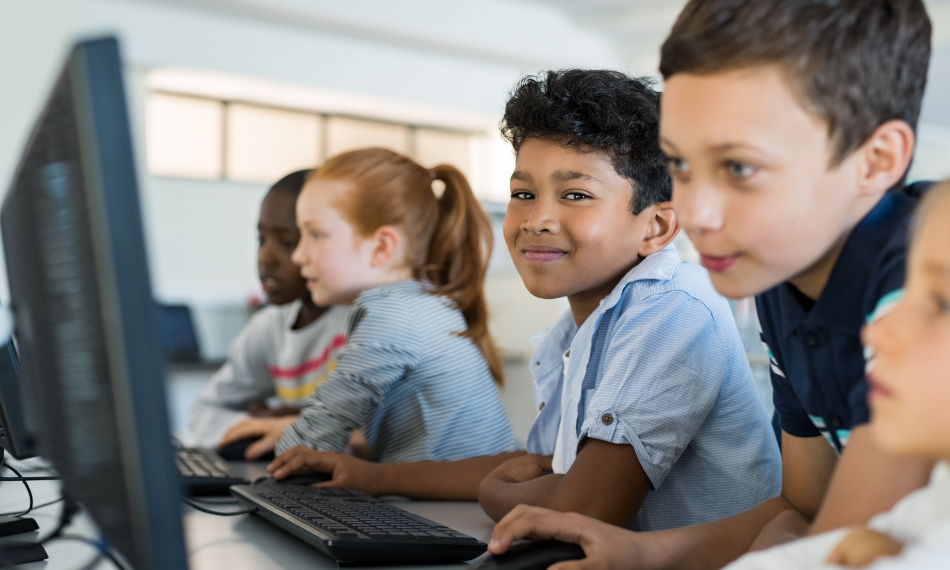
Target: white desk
{"type": "Point", "coordinates": [244, 542]}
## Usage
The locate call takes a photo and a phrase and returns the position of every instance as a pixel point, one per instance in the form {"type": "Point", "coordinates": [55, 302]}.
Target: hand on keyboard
{"type": "Point", "coordinates": [346, 471]}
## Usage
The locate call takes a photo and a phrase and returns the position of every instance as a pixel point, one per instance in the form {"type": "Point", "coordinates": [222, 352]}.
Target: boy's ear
{"type": "Point", "coordinates": [662, 228]}
{"type": "Point", "coordinates": [387, 242]}
{"type": "Point", "coordinates": [885, 157]}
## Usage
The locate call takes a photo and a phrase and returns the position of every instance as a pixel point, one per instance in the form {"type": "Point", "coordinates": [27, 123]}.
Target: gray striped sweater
{"type": "Point", "coordinates": [415, 387]}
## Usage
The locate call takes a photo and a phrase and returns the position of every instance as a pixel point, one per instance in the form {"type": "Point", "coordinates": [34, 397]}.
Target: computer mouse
{"type": "Point", "coordinates": [531, 555]}
{"type": "Point", "coordinates": [305, 478]}
{"type": "Point", "coordinates": [234, 451]}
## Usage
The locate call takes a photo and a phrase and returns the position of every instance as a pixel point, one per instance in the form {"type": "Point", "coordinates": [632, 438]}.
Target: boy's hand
{"type": "Point", "coordinates": [863, 546]}
{"type": "Point", "coordinates": [347, 471]}
{"type": "Point", "coordinates": [606, 546]}
{"type": "Point", "coordinates": [268, 430]}
{"type": "Point", "coordinates": [524, 468]}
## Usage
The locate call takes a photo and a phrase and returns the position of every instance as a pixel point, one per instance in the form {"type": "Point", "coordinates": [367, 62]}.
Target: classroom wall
{"type": "Point", "coordinates": [448, 54]}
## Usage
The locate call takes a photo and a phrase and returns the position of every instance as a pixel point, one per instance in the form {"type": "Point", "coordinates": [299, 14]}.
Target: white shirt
{"type": "Point", "coordinates": [921, 520]}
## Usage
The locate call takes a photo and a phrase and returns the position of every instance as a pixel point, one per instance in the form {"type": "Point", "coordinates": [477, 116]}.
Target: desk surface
{"type": "Point", "coordinates": [244, 542]}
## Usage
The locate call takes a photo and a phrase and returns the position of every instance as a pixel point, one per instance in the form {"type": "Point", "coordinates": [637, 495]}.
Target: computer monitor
{"type": "Point", "coordinates": [15, 437]}
{"type": "Point", "coordinates": [85, 322]}
{"type": "Point", "coordinates": [178, 334]}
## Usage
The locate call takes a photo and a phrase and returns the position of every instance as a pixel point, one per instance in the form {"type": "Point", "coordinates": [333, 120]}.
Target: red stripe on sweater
{"type": "Point", "coordinates": [311, 365]}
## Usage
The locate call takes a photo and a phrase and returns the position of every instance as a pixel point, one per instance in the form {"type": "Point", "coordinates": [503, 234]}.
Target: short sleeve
{"type": "Point", "coordinates": [661, 376]}
{"type": "Point", "coordinates": [383, 344]}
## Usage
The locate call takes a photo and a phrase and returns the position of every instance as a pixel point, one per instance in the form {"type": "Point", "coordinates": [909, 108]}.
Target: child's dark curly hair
{"type": "Point", "coordinates": [595, 110]}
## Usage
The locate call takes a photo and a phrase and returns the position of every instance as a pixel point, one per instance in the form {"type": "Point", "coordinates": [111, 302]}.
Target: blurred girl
{"type": "Point", "coordinates": [418, 375]}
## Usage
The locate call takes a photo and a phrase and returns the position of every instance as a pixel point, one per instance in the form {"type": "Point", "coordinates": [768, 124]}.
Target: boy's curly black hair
{"type": "Point", "coordinates": [600, 111]}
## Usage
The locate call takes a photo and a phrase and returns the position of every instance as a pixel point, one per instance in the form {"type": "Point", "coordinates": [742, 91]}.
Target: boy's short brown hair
{"type": "Point", "coordinates": [855, 63]}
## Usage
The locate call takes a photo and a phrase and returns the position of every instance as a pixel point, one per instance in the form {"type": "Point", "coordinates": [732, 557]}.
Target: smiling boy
{"type": "Point", "coordinates": [789, 126]}
{"type": "Point", "coordinates": [648, 416]}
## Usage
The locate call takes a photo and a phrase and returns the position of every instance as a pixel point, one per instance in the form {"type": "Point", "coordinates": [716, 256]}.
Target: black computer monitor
{"type": "Point", "coordinates": [86, 325]}
{"type": "Point", "coordinates": [15, 436]}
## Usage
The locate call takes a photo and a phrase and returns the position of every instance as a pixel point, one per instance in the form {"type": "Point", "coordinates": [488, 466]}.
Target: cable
{"type": "Point", "coordinates": [35, 507]}
{"type": "Point", "coordinates": [198, 507]}
{"type": "Point", "coordinates": [25, 484]}
{"type": "Point", "coordinates": [21, 478]}
{"type": "Point", "coordinates": [100, 545]}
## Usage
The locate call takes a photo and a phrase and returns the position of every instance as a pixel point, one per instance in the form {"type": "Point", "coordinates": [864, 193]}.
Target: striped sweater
{"type": "Point", "coordinates": [416, 388]}
{"type": "Point", "coordinates": [269, 360]}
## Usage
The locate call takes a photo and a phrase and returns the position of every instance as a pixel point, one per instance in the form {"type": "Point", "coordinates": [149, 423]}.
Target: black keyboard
{"type": "Point", "coordinates": [204, 472]}
{"type": "Point", "coordinates": [355, 528]}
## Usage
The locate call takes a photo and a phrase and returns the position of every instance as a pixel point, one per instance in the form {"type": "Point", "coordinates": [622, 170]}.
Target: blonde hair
{"type": "Point", "coordinates": [448, 238]}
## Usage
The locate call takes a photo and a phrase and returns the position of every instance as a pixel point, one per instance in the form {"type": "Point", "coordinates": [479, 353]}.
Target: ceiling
{"type": "Point", "coordinates": [636, 29]}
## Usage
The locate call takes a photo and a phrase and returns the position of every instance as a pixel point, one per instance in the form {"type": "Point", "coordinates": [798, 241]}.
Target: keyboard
{"type": "Point", "coordinates": [354, 528]}
{"type": "Point", "coordinates": [204, 472]}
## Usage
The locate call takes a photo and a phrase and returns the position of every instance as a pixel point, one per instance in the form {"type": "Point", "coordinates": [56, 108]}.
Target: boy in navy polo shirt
{"type": "Point", "coordinates": [788, 127]}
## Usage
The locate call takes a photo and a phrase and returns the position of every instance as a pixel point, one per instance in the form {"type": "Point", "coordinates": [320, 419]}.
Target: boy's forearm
{"type": "Point", "coordinates": [867, 480]}
{"type": "Point", "coordinates": [712, 545]}
{"type": "Point", "coordinates": [498, 496]}
{"type": "Point", "coordinates": [440, 480]}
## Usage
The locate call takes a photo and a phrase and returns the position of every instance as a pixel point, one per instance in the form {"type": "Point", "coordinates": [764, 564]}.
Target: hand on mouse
{"type": "Point", "coordinates": [347, 471]}
{"type": "Point", "coordinates": [606, 547]}
{"type": "Point", "coordinates": [863, 546]}
{"type": "Point", "coordinates": [269, 430]}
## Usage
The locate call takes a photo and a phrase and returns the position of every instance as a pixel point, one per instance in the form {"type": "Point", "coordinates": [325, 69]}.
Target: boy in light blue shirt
{"type": "Point", "coordinates": [648, 415]}
{"type": "Point", "coordinates": [659, 366]}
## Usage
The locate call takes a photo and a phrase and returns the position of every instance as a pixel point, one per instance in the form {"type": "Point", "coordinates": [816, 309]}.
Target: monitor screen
{"type": "Point", "coordinates": [85, 322]}
{"type": "Point", "coordinates": [15, 437]}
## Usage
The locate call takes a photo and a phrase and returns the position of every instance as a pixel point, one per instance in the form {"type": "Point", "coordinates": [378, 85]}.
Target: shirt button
{"type": "Point", "coordinates": [607, 419]}
{"type": "Point", "coordinates": [541, 407]}
{"type": "Point", "coordinates": [811, 339]}
{"type": "Point", "coordinates": [836, 422]}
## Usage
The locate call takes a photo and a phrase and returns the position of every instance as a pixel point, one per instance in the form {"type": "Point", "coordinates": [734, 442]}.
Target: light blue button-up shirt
{"type": "Point", "coordinates": [659, 365]}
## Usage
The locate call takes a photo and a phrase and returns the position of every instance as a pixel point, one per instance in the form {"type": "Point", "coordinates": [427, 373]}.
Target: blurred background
{"type": "Point", "coordinates": [226, 96]}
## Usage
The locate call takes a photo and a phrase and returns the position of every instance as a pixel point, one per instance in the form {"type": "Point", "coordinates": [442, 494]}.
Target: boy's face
{"type": "Point", "coordinates": [569, 228]}
{"type": "Point", "coordinates": [277, 236]}
{"type": "Point", "coordinates": [909, 390]}
{"type": "Point", "coordinates": [752, 181]}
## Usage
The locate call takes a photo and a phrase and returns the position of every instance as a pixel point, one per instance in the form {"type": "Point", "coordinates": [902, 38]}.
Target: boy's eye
{"type": "Point", "coordinates": [576, 196]}
{"type": "Point", "coordinates": [521, 195]}
{"type": "Point", "coordinates": [288, 244]}
{"type": "Point", "coordinates": [739, 170]}
{"type": "Point", "coordinates": [676, 165]}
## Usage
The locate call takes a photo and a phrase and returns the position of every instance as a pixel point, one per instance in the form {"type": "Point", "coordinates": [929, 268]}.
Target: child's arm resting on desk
{"type": "Point", "coordinates": [606, 482]}
{"type": "Point", "coordinates": [433, 480]}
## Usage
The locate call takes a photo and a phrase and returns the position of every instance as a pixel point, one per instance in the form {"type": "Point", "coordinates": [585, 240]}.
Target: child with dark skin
{"type": "Point", "coordinates": [277, 236]}
{"type": "Point", "coordinates": [584, 218]}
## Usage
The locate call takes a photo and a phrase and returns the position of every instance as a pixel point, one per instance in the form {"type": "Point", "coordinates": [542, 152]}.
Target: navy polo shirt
{"type": "Point", "coordinates": [817, 361]}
